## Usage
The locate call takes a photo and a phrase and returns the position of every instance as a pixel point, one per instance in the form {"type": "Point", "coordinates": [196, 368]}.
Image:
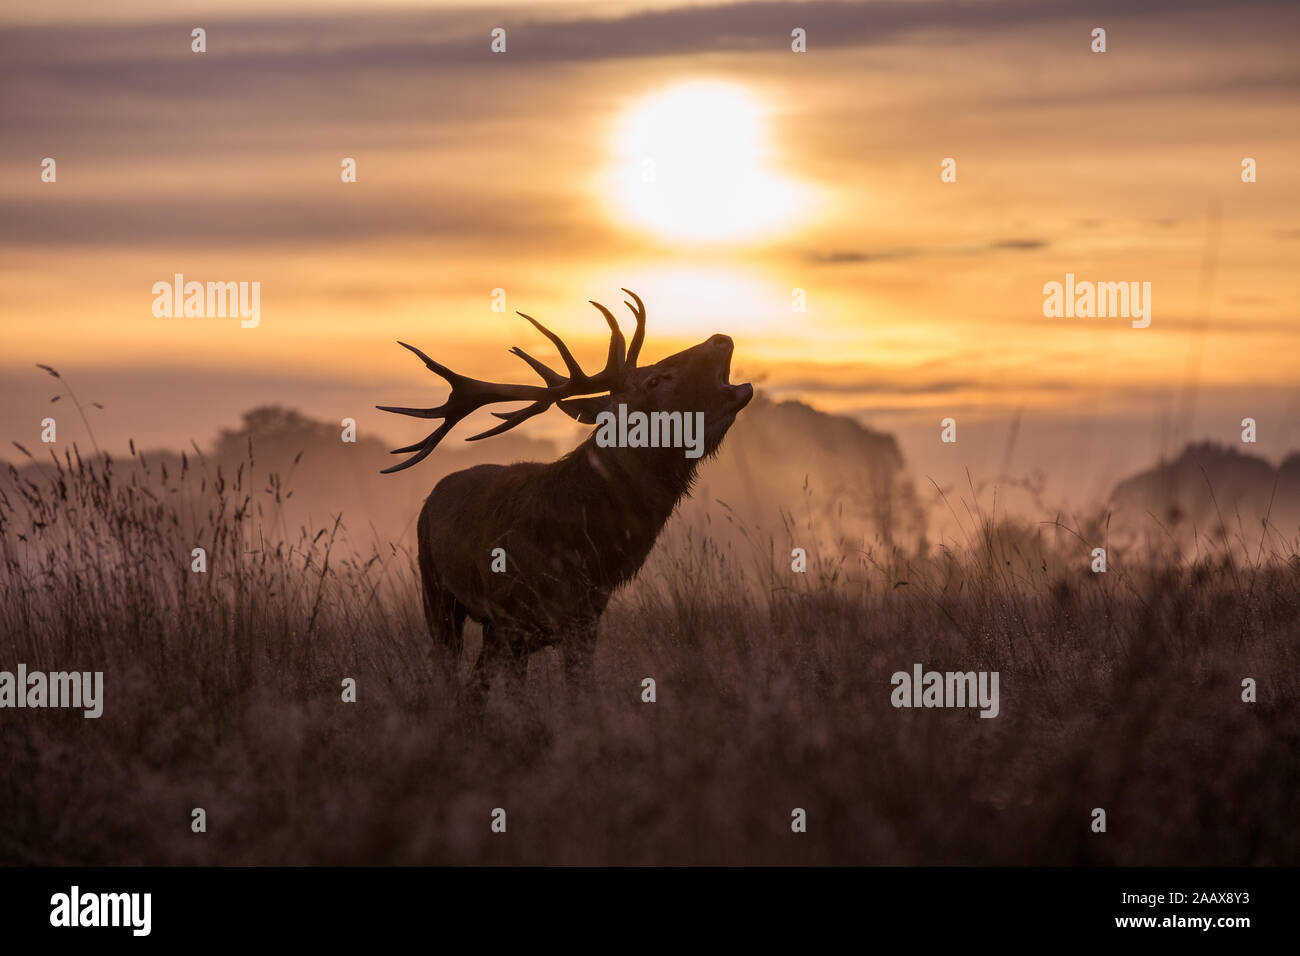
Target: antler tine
{"type": "Point", "coordinates": [425, 448]}
{"type": "Point", "coordinates": [548, 374]}
{"type": "Point", "coordinates": [634, 350]}
{"type": "Point", "coordinates": [575, 370]}
{"type": "Point", "coordinates": [429, 363]}
{"type": "Point", "coordinates": [617, 344]}
{"type": "Point", "coordinates": [512, 419]}
{"type": "Point", "coordinates": [413, 412]}
{"type": "Point", "coordinates": [435, 412]}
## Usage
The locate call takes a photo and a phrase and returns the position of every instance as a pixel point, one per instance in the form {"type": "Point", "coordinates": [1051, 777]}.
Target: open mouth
{"type": "Point", "coordinates": [741, 394]}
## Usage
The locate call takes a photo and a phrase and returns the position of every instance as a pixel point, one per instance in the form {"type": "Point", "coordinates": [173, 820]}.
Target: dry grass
{"type": "Point", "coordinates": [222, 691]}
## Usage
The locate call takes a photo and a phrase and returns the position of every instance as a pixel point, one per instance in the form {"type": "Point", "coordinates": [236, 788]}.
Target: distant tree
{"type": "Point", "coordinates": [275, 432]}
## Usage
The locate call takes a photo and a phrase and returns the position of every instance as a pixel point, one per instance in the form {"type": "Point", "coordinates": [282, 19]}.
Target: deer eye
{"type": "Point", "coordinates": [654, 381]}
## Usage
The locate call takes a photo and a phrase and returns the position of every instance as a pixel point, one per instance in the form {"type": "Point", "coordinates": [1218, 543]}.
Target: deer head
{"type": "Point", "coordinates": [693, 380]}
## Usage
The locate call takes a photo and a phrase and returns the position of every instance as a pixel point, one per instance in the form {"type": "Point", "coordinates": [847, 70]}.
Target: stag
{"type": "Point", "coordinates": [573, 530]}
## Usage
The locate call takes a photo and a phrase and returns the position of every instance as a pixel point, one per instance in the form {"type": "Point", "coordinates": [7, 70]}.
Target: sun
{"type": "Point", "coordinates": [692, 163]}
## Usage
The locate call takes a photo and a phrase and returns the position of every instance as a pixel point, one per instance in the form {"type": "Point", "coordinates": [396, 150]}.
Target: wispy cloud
{"type": "Point", "coordinates": [854, 257]}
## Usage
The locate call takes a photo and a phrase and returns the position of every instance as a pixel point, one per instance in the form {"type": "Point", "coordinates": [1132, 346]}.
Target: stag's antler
{"type": "Point", "coordinates": [469, 394]}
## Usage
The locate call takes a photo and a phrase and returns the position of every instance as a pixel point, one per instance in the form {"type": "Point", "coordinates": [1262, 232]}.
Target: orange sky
{"type": "Point", "coordinates": [479, 171]}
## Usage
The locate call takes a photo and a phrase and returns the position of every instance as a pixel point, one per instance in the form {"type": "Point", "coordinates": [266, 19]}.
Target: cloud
{"type": "Point", "coordinates": [238, 220]}
{"type": "Point", "coordinates": [897, 381]}
{"type": "Point", "coordinates": [1019, 244]}
{"type": "Point", "coordinates": [851, 257]}
{"type": "Point", "coordinates": [841, 257]}
{"type": "Point", "coordinates": [349, 42]}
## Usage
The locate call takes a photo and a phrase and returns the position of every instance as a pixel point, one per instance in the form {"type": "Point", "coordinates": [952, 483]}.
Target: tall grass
{"type": "Point", "coordinates": [1119, 690]}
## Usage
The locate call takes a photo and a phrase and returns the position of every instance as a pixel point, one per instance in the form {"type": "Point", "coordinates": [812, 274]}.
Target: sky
{"type": "Point", "coordinates": [683, 151]}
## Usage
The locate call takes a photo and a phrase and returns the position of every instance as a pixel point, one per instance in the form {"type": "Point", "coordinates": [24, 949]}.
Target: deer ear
{"type": "Point", "coordinates": [585, 410]}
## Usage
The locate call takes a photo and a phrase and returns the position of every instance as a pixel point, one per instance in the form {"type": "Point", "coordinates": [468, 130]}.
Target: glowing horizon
{"type": "Point", "coordinates": [774, 172]}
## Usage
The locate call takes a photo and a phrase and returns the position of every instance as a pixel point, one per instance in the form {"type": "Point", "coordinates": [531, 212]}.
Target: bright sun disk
{"type": "Point", "coordinates": [692, 164]}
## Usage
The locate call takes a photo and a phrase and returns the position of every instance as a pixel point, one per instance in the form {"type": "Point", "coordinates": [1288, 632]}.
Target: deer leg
{"type": "Point", "coordinates": [502, 656]}
{"type": "Point", "coordinates": [580, 657]}
{"type": "Point", "coordinates": [444, 614]}
{"type": "Point", "coordinates": [479, 676]}
{"type": "Point", "coordinates": [512, 662]}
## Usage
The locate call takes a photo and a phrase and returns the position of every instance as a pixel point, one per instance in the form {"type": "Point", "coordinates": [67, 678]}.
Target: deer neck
{"type": "Point", "coordinates": [643, 484]}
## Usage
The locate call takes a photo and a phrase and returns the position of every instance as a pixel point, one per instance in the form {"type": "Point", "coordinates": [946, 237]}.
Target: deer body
{"type": "Point", "coordinates": [570, 531]}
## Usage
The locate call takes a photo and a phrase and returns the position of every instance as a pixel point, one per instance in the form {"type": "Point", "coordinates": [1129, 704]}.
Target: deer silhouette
{"type": "Point", "coordinates": [572, 531]}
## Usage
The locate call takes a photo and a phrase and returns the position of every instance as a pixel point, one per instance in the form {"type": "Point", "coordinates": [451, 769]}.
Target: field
{"type": "Point", "coordinates": [1120, 691]}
